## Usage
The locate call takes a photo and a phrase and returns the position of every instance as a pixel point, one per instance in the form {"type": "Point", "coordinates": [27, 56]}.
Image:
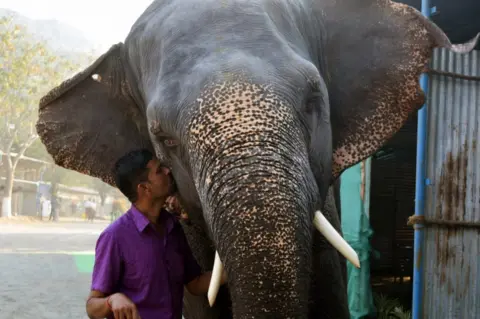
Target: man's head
{"type": "Point", "coordinates": [139, 175]}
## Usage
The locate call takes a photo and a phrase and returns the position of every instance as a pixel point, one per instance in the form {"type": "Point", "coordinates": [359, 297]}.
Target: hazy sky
{"type": "Point", "coordinates": [102, 21]}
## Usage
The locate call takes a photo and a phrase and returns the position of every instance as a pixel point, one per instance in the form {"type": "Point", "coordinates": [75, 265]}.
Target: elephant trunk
{"type": "Point", "coordinates": [250, 165]}
{"type": "Point", "coordinates": [261, 224]}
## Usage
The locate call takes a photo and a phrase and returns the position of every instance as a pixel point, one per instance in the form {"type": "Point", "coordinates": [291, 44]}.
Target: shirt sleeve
{"type": "Point", "coordinates": [192, 269]}
{"type": "Point", "coordinates": [106, 270]}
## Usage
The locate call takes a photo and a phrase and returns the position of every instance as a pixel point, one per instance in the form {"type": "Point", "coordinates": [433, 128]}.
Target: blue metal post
{"type": "Point", "coordinates": [417, 307]}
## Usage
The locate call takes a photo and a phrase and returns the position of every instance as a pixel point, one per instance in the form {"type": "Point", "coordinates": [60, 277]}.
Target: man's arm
{"type": "Point", "coordinates": [200, 284]}
{"type": "Point", "coordinates": [105, 278]}
{"type": "Point", "coordinates": [97, 307]}
{"type": "Point", "coordinates": [100, 306]}
{"type": "Point", "coordinates": [196, 282]}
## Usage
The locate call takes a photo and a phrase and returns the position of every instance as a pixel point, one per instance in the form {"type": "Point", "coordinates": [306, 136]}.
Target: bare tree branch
{"type": "Point", "coordinates": [25, 146]}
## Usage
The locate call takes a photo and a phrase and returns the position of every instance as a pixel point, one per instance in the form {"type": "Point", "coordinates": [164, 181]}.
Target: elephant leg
{"type": "Point", "coordinates": [328, 291]}
{"type": "Point", "coordinates": [197, 307]}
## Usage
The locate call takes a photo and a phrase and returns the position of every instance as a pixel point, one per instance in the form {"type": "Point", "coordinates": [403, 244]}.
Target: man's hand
{"type": "Point", "coordinates": [173, 206]}
{"type": "Point", "coordinates": [101, 306]}
{"type": "Point", "coordinates": [123, 307]}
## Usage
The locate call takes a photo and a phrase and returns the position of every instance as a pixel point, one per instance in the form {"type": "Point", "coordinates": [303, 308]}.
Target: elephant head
{"type": "Point", "coordinates": [258, 107]}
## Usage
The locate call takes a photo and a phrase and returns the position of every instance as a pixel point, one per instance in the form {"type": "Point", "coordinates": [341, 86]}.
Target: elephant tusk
{"type": "Point", "coordinates": [215, 280]}
{"type": "Point", "coordinates": [334, 238]}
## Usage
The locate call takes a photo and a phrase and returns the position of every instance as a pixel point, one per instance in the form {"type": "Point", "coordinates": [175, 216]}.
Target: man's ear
{"type": "Point", "coordinates": [91, 120]}
{"type": "Point", "coordinates": [142, 189]}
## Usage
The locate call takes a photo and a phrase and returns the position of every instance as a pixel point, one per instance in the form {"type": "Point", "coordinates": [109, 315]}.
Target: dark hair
{"type": "Point", "coordinates": [131, 170]}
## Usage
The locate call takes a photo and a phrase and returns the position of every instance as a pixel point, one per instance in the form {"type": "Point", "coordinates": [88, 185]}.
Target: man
{"type": "Point", "coordinates": [143, 260]}
{"type": "Point", "coordinates": [88, 207]}
{"type": "Point", "coordinates": [92, 210]}
{"type": "Point", "coordinates": [54, 208]}
{"type": "Point", "coordinates": [46, 207]}
{"type": "Point", "coordinates": [73, 207]}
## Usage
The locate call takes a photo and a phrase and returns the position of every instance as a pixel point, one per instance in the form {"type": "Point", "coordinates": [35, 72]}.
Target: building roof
{"type": "Point", "coordinates": [25, 158]}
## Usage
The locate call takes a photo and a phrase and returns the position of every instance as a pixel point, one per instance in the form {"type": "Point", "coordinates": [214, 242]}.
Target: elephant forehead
{"type": "Point", "coordinates": [234, 108]}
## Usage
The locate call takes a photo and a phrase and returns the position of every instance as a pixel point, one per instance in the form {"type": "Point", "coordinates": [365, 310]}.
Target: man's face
{"type": "Point", "coordinates": [160, 180]}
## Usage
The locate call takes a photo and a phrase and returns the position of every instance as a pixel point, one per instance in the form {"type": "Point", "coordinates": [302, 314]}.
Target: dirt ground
{"type": "Point", "coordinates": [45, 268]}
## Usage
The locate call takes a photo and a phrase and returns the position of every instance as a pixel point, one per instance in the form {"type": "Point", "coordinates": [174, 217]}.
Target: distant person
{"type": "Point", "coordinates": [54, 209]}
{"type": "Point", "coordinates": [142, 260]}
{"type": "Point", "coordinates": [46, 208]}
{"type": "Point", "coordinates": [93, 209]}
{"type": "Point", "coordinates": [90, 210]}
{"type": "Point", "coordinates": [94, 204]}
{"type": "Point", "coordinates": [86, 205]}
{"type": "Point", "coordinates": [73, 207]}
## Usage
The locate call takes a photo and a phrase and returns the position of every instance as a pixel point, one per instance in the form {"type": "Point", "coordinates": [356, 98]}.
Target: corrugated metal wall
{"type": "Point", "coordinates": [452, 255]}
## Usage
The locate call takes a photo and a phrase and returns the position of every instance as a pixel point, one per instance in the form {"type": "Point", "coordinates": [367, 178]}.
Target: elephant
{"type": "Point", "coordinates": [257, 107]}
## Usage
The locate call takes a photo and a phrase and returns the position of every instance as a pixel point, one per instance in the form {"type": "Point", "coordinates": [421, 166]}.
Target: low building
{"type": "Point", "coordinates": [29, 186]}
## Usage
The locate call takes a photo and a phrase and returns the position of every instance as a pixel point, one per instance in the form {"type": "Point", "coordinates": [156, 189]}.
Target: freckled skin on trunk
{"type": "Point", "coordinates": [252, 171]}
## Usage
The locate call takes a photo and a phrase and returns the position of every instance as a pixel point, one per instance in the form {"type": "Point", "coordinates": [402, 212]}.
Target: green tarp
{"type": "Point", "coordinates": [357, 232]}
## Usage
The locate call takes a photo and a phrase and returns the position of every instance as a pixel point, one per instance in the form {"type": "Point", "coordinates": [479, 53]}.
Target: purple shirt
{"type": "Point", "coordinates": [134, 259]}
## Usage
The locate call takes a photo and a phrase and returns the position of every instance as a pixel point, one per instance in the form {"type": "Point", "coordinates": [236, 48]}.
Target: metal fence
{"type": "Point", "coordinates": [452, 251]}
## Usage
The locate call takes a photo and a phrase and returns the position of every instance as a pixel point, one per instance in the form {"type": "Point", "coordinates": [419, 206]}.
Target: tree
{"type": "Point", "coordinates": [103, 190]}
{"type": "Point", "coordinates": [67, 177]}
{"type": "Point", "coordinates": [28, 69]}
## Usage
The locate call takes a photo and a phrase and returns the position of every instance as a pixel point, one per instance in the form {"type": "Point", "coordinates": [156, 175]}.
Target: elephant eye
{"type": "Point", "coordinates": [163, 137]}
{"type": "Point", "coordinates": [315, 100]}
{"type": "Point", "coordinates": [170, 142]}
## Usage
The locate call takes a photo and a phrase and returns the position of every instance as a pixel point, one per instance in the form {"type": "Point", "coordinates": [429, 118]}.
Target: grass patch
{"type": "Point", "coordinates": [84, 262]}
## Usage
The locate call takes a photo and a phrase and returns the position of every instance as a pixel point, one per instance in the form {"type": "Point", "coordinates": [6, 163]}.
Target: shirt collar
{"type": "Point", "coordinates": [141, 221]}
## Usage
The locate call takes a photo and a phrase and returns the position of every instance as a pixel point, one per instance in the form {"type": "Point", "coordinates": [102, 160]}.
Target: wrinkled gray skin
{"type": "Point", "coordinates": [258, 106]}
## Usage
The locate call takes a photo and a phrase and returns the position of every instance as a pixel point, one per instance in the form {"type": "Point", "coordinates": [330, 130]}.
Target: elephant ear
{"type": "Point", "coordinates": [375, 52]}
{"type": "Point", "coordinates": [90, 120]}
